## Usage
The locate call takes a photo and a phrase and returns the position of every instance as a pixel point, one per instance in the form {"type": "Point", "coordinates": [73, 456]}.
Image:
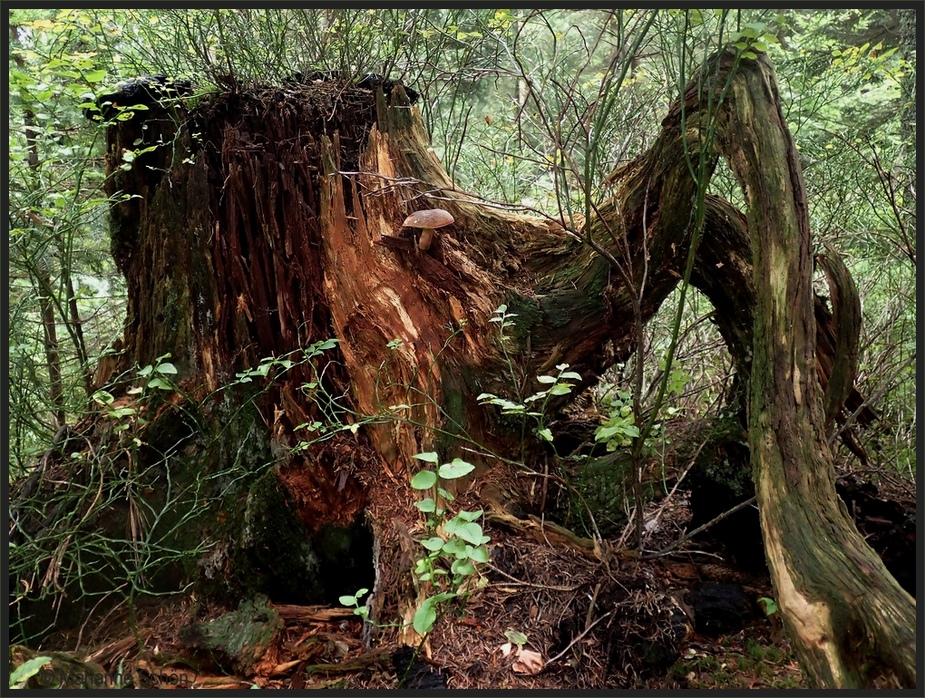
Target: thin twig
{"type": "Point", "coordinates": [579, 637]}
{"type": "Point", "coordinates": [530, 584]}
{"type": "Point", "coordinates": [664, 504]}
{"type": "Point", "coordinates": [699, 529]}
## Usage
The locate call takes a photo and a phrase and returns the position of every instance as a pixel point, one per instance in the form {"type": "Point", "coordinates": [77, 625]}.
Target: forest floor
{"type": "Point", "coordinates": [467, 651]}
{"type": "Point", "coordinates": [550, 615]}
{"type": "Point", "coordinates": [577, 627]}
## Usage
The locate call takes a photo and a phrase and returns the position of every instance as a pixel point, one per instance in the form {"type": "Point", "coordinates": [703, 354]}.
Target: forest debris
{"type": "Point", "coordinates": [374, 657]}
{"type": "Point", "coordinates": [292, 613]}
{"type": "Point", "coordinates": [283, 669]}
{"type": "Point", "coordinates": [545, 532]}
{"type": "Point", "coordinates": [242, 638]}
{"type": "Point", "coordinates": [413, 672]}
{"type": "Point", "coordinates": [525, 661]}
{"type": "Point", "coordinates": [63, 670]}
{"type": "Point", "coordinates": [218, 683]}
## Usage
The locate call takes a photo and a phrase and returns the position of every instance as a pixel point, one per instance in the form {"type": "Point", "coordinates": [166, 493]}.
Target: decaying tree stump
{"type": "Point", "coordinates": [266, 220]}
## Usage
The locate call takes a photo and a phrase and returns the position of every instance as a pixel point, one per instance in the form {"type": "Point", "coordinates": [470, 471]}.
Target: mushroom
{"type": "Point", "coordinates": [428, 220]}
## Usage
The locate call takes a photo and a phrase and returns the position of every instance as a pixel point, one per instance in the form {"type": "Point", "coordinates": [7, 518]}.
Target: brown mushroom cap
{"type": "Point", "coordinates": [430, 218]}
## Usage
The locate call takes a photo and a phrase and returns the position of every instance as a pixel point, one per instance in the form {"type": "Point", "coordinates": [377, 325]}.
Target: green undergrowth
{"type": "Point", "coordinates": [738, 662]}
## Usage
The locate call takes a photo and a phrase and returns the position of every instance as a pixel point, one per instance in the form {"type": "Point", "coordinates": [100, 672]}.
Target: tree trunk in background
{"type": "Point", "coordinates": [269, 220]}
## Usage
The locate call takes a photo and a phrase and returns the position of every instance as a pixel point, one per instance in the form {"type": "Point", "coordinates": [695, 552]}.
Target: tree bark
{"type": "Point", "coordinates": [846, 615]}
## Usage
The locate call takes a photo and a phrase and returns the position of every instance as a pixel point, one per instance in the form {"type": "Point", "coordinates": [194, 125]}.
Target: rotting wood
{"type": "Point", "coordinates": [376, 657]}
{"type": "Point", "coordinates": [547, 532]}
{"type": "Point", "coordinates": [846, 312]}
{"type": "Point", "coordinates": [292, 613]}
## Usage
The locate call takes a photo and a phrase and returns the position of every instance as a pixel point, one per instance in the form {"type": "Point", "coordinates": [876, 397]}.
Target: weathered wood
{"type": "Point", "coordinates": [847, 617]}
{"type": "Point", "coordinates": [846, 309]}
{"type": "Point", "coordinates": [292, 613]}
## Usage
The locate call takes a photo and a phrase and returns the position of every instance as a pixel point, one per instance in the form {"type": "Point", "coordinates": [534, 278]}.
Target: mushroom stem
{"type": "Point", "coordinates": [427, 237]}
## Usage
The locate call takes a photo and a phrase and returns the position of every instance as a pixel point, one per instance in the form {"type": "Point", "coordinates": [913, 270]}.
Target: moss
{"type": "Point", "coordinates": [239, 639]}
{"type": "Point", "coordinates": [277, 557]}
{"type": "Point", "coordinates": [604, 486]}
{"type": "Point", "coordinates": [758, 666]}
{"type": "Point", "coordinates": [575, 298]}
{"type": "Point", "coordinates": [529, 314]}
{"type": "Point", "coordinates": [455, 407]}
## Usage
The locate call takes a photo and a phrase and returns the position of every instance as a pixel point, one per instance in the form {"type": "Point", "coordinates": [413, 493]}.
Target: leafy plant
{"type": "Point", "coordinates": [26, 671]}
{"type": "Point", "coordinates": [454, 545]}
{"type": "Point", "coordinates": [769, 606]}
{"type": "Point", "coordinates": [354, 600]}
{"type": "Point", "coordinates": [619, 427]}
{"type": "Point", "coordinates": [559, 384]}
{"type": "Point", "coordinates": [754, 38]}
{"type": "Point", "coordinates": [456, 542]}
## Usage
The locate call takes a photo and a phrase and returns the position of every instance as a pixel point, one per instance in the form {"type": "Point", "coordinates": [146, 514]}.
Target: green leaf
{"type": "Point", "coordinates": [428, 506]}
{"type": "Point", "coordinates": [433, 544]}
{"type": "Point", "coordinates": [560, 389]}
{"type": "Point", "coordinates": [429, 457]}
{"type": "Point", "coordinates": [546, 379]}
{"type": "Point", "coordinates": [515, 637]}
{"type": "Point", "coordinates": [462, 567]}
{"type": "Point", "coordinates": [458, 468]}
{"type": "Point", "coordinates": [27, 670]}
{"type": "Point", "coordinates": [545, 434]}
{"type": "Point", "coordinates": [469, 515]}
{"type": "Point", "coordinates": [424, 480]}
{"type": "Point", "coordinates": [479, 554]}
{"type": "Point", "coordinates": [606, 433]}
{"type": "Point", "coordinates": [103, 397]}
{"type": "Point", "coordinates": [95, 75]}
{"type": "Point", "coordinates": [570, 375]}
{"type": "Point", "coordinates": [470, 532]}
{"type": "Point", "coordinates": [454, 546]}
{"type": "Point", "coordinates": [424, 617]}
{"type": "Point", "coordinates": [167, 368]}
